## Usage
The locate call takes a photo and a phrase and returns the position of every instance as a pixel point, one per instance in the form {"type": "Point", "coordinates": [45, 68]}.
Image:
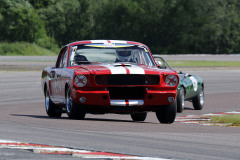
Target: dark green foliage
{"type": "Point", "coordinates": [193, 26]}
{"type": "Point", "coordinates": [37, 4]}
{"type": "Point", "coordinates": [166, 26]}
{"type": "Point", "coordinates": [128, 19]}
{"type": "Point", "coordinates": [65, 20]}
{"type": "Point", "coordinates": [19, 21]}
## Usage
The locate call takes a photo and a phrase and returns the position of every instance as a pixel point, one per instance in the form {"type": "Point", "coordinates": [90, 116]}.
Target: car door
{"type": "Point", "coordinates": [61, 72]}
{"type": "Point", "coordinates": [56, 74]}
{"type": "Point", "coordinates": [51, 82]}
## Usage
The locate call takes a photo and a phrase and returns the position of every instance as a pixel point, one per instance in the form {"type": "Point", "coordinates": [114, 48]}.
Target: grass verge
{"type": "Point", "coordinates": [232, 120]}
{"type": "Point", "coordinates": [23, 48]}
{"type": "Point", "coordinates": [204, 63]}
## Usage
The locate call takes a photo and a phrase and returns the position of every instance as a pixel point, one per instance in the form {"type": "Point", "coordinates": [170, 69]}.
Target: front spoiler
{"type": "Point", "coordinates": [102, 98]}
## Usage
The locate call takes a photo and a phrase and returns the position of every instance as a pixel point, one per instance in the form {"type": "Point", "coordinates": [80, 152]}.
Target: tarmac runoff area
{"type": "Point", "coordinates": [24, 120]}
{"type": "Point", "coordinates": [87, 154]}
{"type": "Point", "coordinates": [59, 150]}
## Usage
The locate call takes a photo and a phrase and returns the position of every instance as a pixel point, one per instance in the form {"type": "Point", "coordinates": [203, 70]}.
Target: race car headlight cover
{"type": "Point", "coordinates": [171, 80]}
{"type": "Point", "coordinates": [80, 80]}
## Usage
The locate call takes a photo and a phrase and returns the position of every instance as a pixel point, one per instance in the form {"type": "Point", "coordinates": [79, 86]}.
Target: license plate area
{"type": "Point", "coordinates": [126, 92]}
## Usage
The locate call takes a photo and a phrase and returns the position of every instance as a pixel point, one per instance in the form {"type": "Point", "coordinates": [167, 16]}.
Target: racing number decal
{"type": "Point", "coordinates": [195, 84]}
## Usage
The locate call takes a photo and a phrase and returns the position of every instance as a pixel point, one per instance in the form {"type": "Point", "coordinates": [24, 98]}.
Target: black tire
{"type": "Point", "coordinates": [167, 114]}
{"type": "Point", "coordinates": [139, 116]}
{"type": "Point", "coordinates": [51, 108]}
{"type": "Point", "coordinates": [198, 101]}
{"type": "Point", "coordinates": [74, 111]}
{"type": "Point", "coordinates": [180, 100]}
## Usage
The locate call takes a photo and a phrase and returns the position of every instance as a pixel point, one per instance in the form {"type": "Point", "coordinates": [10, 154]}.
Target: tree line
{"type": "Point", "coordinates": [166, 26]}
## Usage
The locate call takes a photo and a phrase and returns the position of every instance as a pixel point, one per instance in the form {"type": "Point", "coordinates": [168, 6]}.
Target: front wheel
{"type": "Point", "coordinates": [74, 111]}
{"type": "Point", "coordinates": [139, 116]}
{"type": "Point", "coordinates": [167, 113]}
{"type": "Point", "coordinates": [50, 107]}
{"type": "Point", "coordinates": [198, 101]}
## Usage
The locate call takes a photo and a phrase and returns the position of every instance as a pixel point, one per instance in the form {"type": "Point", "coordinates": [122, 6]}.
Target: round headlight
{"type": "Point", "coordinates": [171, 80]}
{"type": "Point", "coordinates": [80, 80]}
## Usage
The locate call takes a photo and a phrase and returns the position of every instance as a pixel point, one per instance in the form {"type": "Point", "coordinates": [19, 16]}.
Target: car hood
{"type": "Point", "coordinates": [120, 68]}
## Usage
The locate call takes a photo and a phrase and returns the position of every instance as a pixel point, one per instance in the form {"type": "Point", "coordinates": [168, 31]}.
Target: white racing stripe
{"type": "Point", "coordinates": [116, 41]}
{"type": "Point", "coordinates": [134, 69]}
{"type": "Point", "coordinates": [118, 69]}
{"type": "Point", "coordinates": [115, 70]}
{"type": "Point", "coordinates": [99, 41]}
{"type": "Point", "coordinates": [106, 41]}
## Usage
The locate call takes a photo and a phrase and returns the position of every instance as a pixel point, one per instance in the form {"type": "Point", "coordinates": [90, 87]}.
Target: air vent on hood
{"type": "Point", "coordinates": [122, 64]}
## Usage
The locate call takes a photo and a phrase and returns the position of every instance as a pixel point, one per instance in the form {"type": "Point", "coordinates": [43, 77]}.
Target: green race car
{"type": "Point", "coordinates": [190, 88]}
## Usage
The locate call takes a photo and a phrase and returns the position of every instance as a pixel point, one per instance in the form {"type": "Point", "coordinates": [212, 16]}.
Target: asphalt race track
{"type": "Point", "coordinates": [23, 118]}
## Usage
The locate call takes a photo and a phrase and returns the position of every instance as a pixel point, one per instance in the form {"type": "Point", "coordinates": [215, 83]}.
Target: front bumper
{"type": "Point", "coordinates": [103, 98]}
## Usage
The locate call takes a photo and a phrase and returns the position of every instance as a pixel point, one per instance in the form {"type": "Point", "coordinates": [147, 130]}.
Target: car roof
{"type": "Point", "coordinates": [105, 41]}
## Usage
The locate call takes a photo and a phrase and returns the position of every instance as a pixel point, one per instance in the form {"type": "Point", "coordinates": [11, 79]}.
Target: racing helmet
{"type": "Point", "coordinates": [123, 55]}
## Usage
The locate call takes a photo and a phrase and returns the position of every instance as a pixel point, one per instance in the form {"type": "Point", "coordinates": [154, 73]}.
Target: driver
{"type": "Point", "coordinates": [123, 56]}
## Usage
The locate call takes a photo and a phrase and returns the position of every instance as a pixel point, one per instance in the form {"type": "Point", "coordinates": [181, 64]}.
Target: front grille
{"type": "Point", "coordinates": [127, 79]}
{"type": "Point", "coordinates": [126, 92]}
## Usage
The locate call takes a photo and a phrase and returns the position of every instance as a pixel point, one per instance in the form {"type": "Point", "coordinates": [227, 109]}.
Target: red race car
{"type": "Point", "coordinates": [109, 76]}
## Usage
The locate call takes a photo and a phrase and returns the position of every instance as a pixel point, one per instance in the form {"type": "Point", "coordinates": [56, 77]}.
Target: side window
{"type": "Point", "coordinates": [63, 62]}
{"type": "Point", "coordinates": [59, 63]}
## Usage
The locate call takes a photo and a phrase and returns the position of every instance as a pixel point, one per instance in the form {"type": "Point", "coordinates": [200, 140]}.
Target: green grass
{"type": "Point", "coordinates": [232, 120]}
{"type": "Point", "coordinates": [204, 63]}
{"type": "Point", "coordinates": [23, 48]}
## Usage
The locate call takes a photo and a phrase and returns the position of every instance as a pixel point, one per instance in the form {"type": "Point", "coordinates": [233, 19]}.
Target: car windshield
{"type": "Point", "coordinates": [102, 53]}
